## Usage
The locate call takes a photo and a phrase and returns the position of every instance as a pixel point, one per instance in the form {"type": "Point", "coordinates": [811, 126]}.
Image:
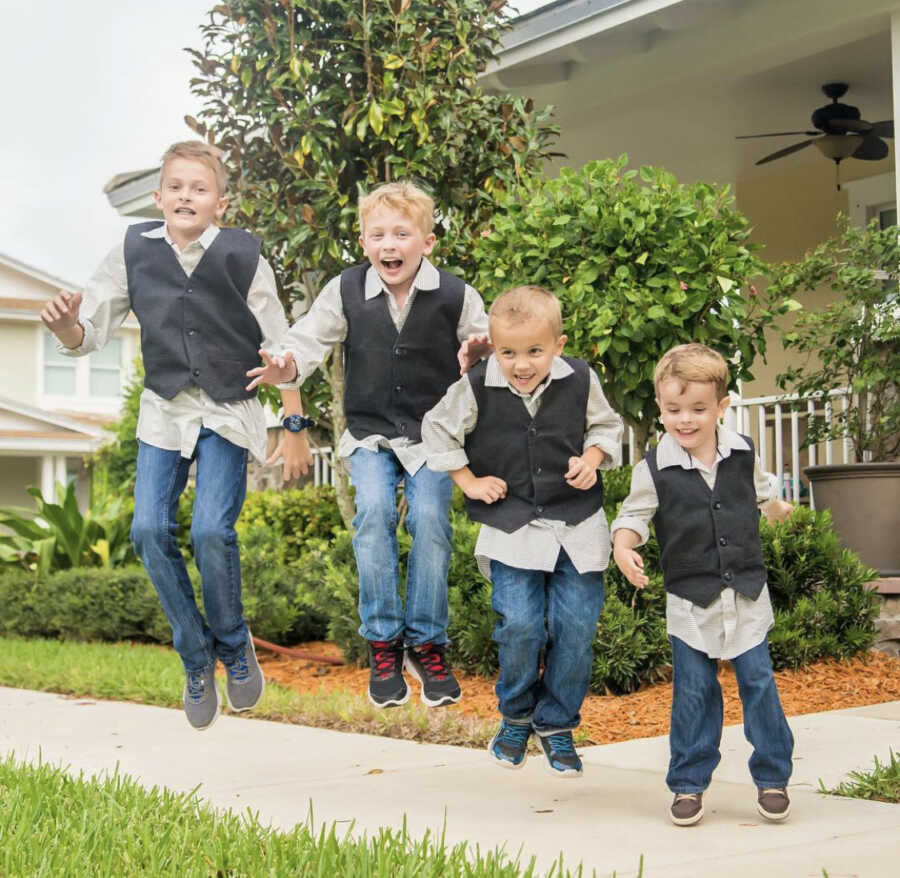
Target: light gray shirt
{"type": "Point", "coordinates": [174, 424]}
{"type": "Point", "coordinates": [536, 545]}
{"type": "Point", "coordinates": [313, 336]}
{"type": "Point", "coordinates": [732, 623]}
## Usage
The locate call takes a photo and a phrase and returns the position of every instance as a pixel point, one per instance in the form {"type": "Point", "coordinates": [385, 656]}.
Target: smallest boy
{"type": "Point", "coordinates": [702, 487]}
{"type": "Point", "coordinates": [523, 435]}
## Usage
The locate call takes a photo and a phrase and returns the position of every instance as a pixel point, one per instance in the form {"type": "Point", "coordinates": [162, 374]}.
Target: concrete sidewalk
{"type": "Point", "coordinates": [607, 819]}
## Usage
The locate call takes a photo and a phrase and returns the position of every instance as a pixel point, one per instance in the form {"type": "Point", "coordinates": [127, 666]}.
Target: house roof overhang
{"type": "Point", "coordinates": [29, 431]}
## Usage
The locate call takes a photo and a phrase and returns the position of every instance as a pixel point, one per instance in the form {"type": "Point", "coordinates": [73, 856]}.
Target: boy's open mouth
{"type": "Point", "coordinates": [185, 211]}
{"type": "Point", "coordinates": [392, 264]}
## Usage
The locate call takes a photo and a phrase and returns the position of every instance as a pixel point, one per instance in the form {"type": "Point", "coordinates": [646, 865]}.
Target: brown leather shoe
{"type": "Point", "coordinates": [686, 809]}
{"type": "Point", "coordinates": [773, 804]}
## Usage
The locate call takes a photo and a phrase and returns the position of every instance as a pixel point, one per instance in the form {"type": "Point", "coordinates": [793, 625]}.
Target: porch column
{"type": "Point", "coordinates": [895, 82]}
{"type": "Point", "coordinates": [48, 473]}
{"type": "Point", "coordinates": [60, 476]}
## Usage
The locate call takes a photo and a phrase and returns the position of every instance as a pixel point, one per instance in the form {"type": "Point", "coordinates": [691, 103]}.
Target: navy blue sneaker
{"type": "Point", "coordinates": [508, 747]}
{"type": "Point", "coordinates": [387, 688]}
{"type": "Point", "coordinates": [562, 760]}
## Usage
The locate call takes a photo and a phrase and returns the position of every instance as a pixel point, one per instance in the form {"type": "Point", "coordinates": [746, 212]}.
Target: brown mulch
{"type": "Point", "coordinates": [825, 685]}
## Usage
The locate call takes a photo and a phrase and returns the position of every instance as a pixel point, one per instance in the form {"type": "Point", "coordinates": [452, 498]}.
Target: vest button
{"type": "Point", "coordinates": [717, 505]}
{"type": "Point", "coordinates": [537, 470]}
{"type": "Point", "coordinates": [532, 431]}
{"type": "Point", "coordinates": [196, 372]}
{"type": "Point", "coordinates": [398, 388]}
{"type": "Point", "coordinates": [723, 541]}
{"type": "Point", "coordinates": [727, 576]}
{"type": "Point", "coordinates": [401, 428]}
{"type": "Point", "coordinates": [398, 352]}
{"type": "Point", "coordinates": [190, 289]}
{"type": "Point", "coordinates": [540, 509]}
{"type": "Point", "coordinates": [192, 332]}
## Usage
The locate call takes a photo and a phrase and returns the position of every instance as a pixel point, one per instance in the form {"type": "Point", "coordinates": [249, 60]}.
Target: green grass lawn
{"type": "Point", "coordinates": [153, 675]}
{"type": "Point", "coordinates": [53, 824]}
{"type": "Point", "coordinates": [880, 784]}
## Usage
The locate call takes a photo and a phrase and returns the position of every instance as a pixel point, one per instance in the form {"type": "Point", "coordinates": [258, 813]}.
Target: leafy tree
{"type": "Point", "coordinates": [640, 263]}
{"type": "Point", "coordinates": [318, 100]}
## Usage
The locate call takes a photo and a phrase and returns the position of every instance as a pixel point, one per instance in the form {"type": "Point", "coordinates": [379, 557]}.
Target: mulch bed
{"type": "Point", "coordinates": [825, 685]}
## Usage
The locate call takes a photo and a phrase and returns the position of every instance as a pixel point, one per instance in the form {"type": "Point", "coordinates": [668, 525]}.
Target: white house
{"type": "Point", "coordinates": [53, 409]}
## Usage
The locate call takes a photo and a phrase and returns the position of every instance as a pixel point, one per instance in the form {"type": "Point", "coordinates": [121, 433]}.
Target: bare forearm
{"type": "Point", "coordinates": [626, 538]}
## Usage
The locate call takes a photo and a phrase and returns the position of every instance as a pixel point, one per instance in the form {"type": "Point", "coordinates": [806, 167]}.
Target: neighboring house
{"type": "Point", "coordinates": [54, 409]}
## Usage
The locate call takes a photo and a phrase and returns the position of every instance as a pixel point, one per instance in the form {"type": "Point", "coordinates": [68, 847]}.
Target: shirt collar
{"type": "Point", "coordinates": [670, 453]}
{"type": "Point", "coordinates": [205, 240]}
{"type": "Point", "coordinates": [493, 376]}
{"type": "Point", "coordinates": [427, 278]}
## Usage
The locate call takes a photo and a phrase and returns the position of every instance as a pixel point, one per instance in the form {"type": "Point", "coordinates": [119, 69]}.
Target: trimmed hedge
{"type": "Point", "coordinates": [300, 584]}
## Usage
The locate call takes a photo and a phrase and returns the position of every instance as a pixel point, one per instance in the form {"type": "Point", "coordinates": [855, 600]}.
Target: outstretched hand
{"type": "Point", "coordinates": [60, 316]}
{"type": "Point", "coordinates": [297, 455]}
{"type": "Point", "coordinates": [632, 565]}
{"type": "Point", "coordinates": [473, 349]}
{"type": "Point", "coordinates": [277, 370]}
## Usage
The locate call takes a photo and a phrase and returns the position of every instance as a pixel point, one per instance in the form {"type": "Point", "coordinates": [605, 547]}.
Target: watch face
{"type": "Point", "coordinates": [296, 423]}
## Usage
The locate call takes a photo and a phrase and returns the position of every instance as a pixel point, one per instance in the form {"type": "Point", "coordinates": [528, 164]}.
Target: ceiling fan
{"type": "Point", "coordinates": [840, 132]}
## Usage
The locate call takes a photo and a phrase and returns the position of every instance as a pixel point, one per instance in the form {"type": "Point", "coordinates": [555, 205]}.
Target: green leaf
{"type": "Point", "coordinates": [725, 283]}
{"type": "Point", "coordinates": [393, 62]}
{"type": "Point", "coordinates": [376, 117]}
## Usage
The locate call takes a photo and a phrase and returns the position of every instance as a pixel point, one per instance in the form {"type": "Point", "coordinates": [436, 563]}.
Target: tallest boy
{"type": "Point", "coordinates": [401, 321]}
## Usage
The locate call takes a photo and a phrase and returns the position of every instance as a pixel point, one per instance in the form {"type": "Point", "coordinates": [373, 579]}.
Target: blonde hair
{"type": "Point", "coordinates": [693, 362]}
{"type": "Point", "coordinates": [404, 196]}
{"type": "Point", "coordinates": [200, 151]}
{"type": "Point", "coordinates": [530, 302]}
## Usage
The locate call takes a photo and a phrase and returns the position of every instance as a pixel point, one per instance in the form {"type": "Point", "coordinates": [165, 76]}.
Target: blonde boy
{"type": "Point", "coordinates": [401, 321]}
{"type": "Point", "coordinates": [206, 301]}
{"type": "Point", "coordinates": [702, 487]}
{"type": "Point", "coordinates": [524, 435]}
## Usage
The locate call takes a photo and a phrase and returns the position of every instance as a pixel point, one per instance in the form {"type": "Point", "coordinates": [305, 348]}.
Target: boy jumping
{"type": "Point", "coordinates": [206, 301]}
{"type": "Point", "coordinates": [401, 321]}
{"type": "Point", "coordinates": [702, 487]}
{"type": "Point", "coordinates": [523, 435]}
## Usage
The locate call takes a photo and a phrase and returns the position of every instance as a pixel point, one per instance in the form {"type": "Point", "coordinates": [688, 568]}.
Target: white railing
{"type": "Point", "coordinates": [323, 466]}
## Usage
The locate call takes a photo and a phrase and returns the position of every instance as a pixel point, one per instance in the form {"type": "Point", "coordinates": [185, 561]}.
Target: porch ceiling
{"type": "Point", "coordinates": [675, 83]}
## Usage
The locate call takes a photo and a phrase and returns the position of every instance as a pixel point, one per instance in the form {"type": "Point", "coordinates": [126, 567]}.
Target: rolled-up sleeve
{"type": "Point", "coordinates": [602, 427]}
{"type": "Point", "coordinates": [473, 318]}
{"type": "Point", "coordinates": [640, 505]}
{"type": "Point", "coordinates": [313, 336]}
{"type": "Point", "coordinates": [445, 427]}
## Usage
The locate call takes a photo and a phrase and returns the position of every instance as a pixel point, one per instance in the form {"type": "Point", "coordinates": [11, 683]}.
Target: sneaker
{"type": "Point", "coordinates": [562, 760]}
{"type": "Point", "coordinates": [427, 663]}
{"type": "Point", "coordinates": [387, 688]}
{"type": "Point", "coordinates": [201, 698]}
{"type": "Point", "coordinates": [508, 747]}
{"type": "Point", "coordinates": [773, 804]}
{"type": "Point", "coordinates": [245, 683]}
{"type": "Point", "coordinates": [686, 809]}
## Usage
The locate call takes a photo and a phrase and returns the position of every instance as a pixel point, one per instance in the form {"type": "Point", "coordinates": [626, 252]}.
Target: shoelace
{"type": "Point", "coordinates": [515, 734]}
{"type": "Point", "coordinates": [386, 657]}
{"type": "Point", "coordinates": [238, 668]}
{"type": "Point", "coordinates": [195, 686]}
{"type": "Point", "coordinates": [693, 796]}
{"type": "Point", "coordinates": [776, 790]}
{"type": "Point", "coordinates": [562, 744]}
{"type": "Point", "coordinates": [432, 660]}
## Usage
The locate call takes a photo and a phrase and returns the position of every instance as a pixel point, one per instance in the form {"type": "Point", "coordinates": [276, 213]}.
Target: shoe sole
{"type": "Point", "coordinates": [262, 690]}
{"type": "Point", "coordinates": [687, 821]}
{"type": "Point", "coordinates": [391, 702]}
{"type": "Point", "coordinates": [504, 763]}
{"type": "Point", "coordinates": [772, 817]}
{"type": "Point", "coordinates": [568, 774]}
{"type": "Point", "coordinates": [215, 715]}
{"type": "Point", "coordinates": [443, 701]}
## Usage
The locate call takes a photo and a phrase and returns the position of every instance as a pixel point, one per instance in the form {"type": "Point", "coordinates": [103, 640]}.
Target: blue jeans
{"type": "Point", "coordinates": [559, 611]}
{"type": "Point", "coordinates": [696, 728]}
{"type": "Point", "coordinates": [375, 476]}
{"type": "Point", "coordinates": [221, 486]}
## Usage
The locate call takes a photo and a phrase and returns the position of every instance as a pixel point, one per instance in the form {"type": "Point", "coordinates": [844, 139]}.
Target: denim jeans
{"type": "Point", "coordinates": [375, 476]}
{"type": "Point", "coordinates": [559, 611]}
{"type": "Point", "coordinates": [696, 728]}
{"type": "Point", "coordinates": [221, 486]}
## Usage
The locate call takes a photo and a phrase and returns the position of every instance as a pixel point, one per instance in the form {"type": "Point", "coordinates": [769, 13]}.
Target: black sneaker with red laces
{"type": "Point", "coordinates": [427, 663]}
{"type": "Point", "coordinates": [387, 688]}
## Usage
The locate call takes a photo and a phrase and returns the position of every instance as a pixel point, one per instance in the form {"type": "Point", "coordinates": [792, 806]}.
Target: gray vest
{"type": "Point", "coordinates": [531, 454]}
{"type": "Point", "coordinates": [197, 329]}
{"type": "Point", "coordinates": [709, 539]}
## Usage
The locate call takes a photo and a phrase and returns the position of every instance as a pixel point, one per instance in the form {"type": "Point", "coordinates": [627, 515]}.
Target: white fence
{"type": "Point", "coordinates": [777, 425]}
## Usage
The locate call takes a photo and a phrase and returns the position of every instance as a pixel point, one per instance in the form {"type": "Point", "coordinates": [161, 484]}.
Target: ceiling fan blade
{"type": "Point", "coordinates": [777, 134]}
{"type": "Point", "coordinates": [796, 147]}
{"type": "Point", "coordinates": [871, 149]}
{"type": "Point", "coordinates": [885, 128]}
{"type": "Point", "coordinates": [844, 126]}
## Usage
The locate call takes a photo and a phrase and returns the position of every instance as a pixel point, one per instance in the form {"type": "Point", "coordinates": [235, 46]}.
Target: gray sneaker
{"type": "Point", "coordinates": [773, 804]}
{"type": "Point", "coordinates": [201, 698]}
{"type": "Point", "coordinates": [245, 682]}
{"type": "Point", "coordinates": [686, 809]}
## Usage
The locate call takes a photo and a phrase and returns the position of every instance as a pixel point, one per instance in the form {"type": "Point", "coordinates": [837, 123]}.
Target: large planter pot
{"type": "Point", "coordinates": [864, 499]}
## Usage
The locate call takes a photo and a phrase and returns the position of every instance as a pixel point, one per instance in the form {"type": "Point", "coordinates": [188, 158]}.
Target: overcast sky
{"type": "Point", "coordinates": [90, 88]}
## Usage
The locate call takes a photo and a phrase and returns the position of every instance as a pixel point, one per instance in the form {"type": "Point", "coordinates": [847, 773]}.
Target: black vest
{"type": "Point", "coordinates": [709, 539]}
{"type": "Point", "coordinates": [531, 455]}
{"type": "Point", "coordinates": [392, 379]}
{"type": "Point", "coordinates": [197, 329]}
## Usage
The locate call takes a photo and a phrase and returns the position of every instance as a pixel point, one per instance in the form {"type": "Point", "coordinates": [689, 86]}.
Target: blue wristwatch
{"type": "Point", "coordinates": [296, 423]}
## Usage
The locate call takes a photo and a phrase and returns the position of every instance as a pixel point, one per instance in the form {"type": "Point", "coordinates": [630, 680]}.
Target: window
{"type": "Point", "coordinates": [59, 371]}
{"type": "Point", "coordinates": [106, 378]}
